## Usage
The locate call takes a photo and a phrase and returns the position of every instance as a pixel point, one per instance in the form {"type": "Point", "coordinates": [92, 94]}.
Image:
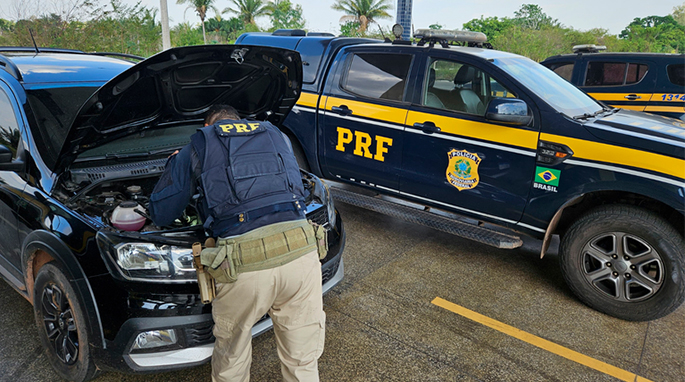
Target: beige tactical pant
{"type": "Point", "coordinates": [291, 294]}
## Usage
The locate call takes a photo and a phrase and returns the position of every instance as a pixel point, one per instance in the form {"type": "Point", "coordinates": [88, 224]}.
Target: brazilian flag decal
{"type": "Point", "coordinates": [546, 175]}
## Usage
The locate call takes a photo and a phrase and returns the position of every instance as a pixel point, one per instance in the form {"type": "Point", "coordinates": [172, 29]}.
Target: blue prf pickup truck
{"type": "Point", "coordinates": [498, 138]}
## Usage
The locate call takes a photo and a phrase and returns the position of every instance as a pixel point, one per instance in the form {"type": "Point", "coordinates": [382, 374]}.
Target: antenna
{"type": "Point", "coordinates": [385, 39]}
{"type": "Point", "coordinates": [34, 41]}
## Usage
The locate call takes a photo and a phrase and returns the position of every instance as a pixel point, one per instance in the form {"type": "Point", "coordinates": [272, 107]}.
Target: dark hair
{"type": "Point", "coordinates": [220, 112]}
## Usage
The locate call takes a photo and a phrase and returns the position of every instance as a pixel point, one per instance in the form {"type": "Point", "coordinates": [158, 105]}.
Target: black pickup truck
{"type": "Point", "coordinates": [498, 138]}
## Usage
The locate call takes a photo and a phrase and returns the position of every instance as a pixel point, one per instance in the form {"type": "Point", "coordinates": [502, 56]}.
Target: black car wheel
{"type": "Point", "coordinates": [61, 325]}
{"type": "Point", "coordinates": [626, 262]}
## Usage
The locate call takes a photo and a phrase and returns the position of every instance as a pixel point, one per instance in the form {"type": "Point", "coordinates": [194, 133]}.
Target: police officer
{"type": "Point", "coordinates": [252, 198]}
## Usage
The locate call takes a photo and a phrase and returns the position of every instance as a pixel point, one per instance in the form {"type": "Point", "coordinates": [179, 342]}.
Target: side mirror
{"type": "Point", "coordinates": [508, 110]}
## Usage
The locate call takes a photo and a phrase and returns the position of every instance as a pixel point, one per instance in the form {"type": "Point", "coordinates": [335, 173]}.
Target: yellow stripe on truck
{"type": "Point", "coordinates": [368, 110]}
{"type": "Point", "coordinates": [308, 99]}
{"type": "Point", "coordinates": [668, 109]}
{"type": "Point", "coordinates": [644, 97]}
{"type": "Point", "coordinates": [479, 130]}
{"type": "Point", "coordinates": [602, 152]}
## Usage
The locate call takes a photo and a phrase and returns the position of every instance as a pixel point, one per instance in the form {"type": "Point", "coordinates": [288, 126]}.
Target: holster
{"type": "Point", "coordinates": [262, 248]}
{"type": "Point", "coordinates": [204, 280]}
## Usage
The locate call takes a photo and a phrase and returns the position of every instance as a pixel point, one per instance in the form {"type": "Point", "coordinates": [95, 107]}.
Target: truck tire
{"type": "Point", "coordinates": [626, 262]}
{"type": "Point", "coordinates": [61, 325]}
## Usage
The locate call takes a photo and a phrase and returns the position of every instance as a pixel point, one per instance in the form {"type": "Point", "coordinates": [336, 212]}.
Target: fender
{"type": "Point", "coordinates": [42, 240]}
{"type": "Point", "coordinates": [553, 223]}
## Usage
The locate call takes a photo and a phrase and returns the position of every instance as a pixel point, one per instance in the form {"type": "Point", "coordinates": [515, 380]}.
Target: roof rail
{"type": "Point", "coordinates": [10, 67]}
{"type": "Point", "coordinates": [588, 48]}
{"type": "Point", "coordinates": [444, 37]}
{"type": "Point", "coordinates": [289, 32]}
{"type": "Point", "coordinates": [320, 34]}
{"type": "Point", "coordinates": [26, 49]}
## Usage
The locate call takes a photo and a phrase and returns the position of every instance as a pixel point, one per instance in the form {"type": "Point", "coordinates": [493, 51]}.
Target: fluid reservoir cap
{"type": "Point", "coordinates": [126, 218]}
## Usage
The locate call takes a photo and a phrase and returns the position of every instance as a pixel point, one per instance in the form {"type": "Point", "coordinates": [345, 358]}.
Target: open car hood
{"type": "Point", "coordinates": [182, 84]}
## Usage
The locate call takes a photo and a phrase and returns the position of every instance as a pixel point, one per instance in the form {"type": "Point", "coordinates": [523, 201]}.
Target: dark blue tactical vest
{"type": "Point", "coordinates": [248, 171]}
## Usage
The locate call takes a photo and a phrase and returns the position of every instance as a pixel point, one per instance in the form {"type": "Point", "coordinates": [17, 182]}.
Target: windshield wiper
{"type": "Point", "coordinates": [140, 155]}
{"type": "Point", "coordinates": [598, 112]}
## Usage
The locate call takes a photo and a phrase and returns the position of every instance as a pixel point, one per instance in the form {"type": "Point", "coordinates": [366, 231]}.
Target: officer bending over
{"type": "Point", "coordinates": [252, 198]}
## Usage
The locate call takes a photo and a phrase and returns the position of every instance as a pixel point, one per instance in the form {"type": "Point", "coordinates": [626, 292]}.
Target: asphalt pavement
{"type": "Point", "coordinates": [415, 305]}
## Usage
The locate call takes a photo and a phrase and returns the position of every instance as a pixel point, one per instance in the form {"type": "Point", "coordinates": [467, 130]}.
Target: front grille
{"type": "Point", "coordinates": [330, 269]}
{"type": "Point", "coordinates": [319, 216]}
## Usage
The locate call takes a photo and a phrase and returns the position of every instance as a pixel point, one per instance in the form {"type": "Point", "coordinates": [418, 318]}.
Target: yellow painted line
{"type": "Point", "coordinates": [308, 99]}
{"type": "Point", "coordinates": [542, 343]}
{"type": "Point", "coordinates": [644, 97]}
{"type": "Point", "coordinates": [621, 155]}
{"type": "Point", "coordinates": [382, 113]}
{"type": "Point", "coordinates": [478, 130]}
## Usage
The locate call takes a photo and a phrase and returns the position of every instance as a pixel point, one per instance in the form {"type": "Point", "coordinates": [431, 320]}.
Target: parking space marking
{"type": "Point", "coordinates": [542, 343]}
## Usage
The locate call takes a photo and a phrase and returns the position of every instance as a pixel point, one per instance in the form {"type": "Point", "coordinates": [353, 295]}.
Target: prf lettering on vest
{"type": "Point", "coordinates": [239, 127]}
{"type": "Point", "coordinates": [362, 143]}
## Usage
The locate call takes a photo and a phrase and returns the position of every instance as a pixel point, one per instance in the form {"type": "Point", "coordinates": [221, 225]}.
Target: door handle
{"type": "Point", "coordinates": [342, 110]}
{"type": "Point", "coordinates": [427, 127]}
{"type": "Point", "coordinates": [632, 97]}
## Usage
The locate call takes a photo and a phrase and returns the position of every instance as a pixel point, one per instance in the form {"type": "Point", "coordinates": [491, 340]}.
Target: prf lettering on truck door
{"type": "Point", "coordinates": [363, 143]}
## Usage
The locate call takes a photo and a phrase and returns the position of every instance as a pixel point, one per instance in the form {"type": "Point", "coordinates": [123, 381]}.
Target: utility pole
{"type": "Point", "coordinates": [166, 38]}
{"type": "Point", "coordinates": [404, 17]}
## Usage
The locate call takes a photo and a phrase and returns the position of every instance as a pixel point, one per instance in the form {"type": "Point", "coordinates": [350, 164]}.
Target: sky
{"type": "Point", "coordinates": [613, 15]}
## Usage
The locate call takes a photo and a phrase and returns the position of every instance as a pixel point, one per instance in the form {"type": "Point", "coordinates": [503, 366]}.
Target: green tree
{"type": "Point", "coordinates": [491, 26]}
{"type": "Point", "coordinates": [285, 16]}
{"type": "Point", "coordinates": [659, 34]}
{"type": "Point", "coordinates": [350, 29]}
{"type": "Point", "coordinates": [225, 30]}
{"type": "Point", "coordinates": [363, 12]}
{"type": "Point", "coordinates": [435, 26]}
{"type": "Point", "coordinates": [531, 16]}
{"type": "Point", "coordinates": [248, 10]}
{"type": "Point", "coordinates": [185, 34]}
{"type": "Point", "coordinates": [200, 7]}
{"type": "Point", "coordinates": [679, 14]}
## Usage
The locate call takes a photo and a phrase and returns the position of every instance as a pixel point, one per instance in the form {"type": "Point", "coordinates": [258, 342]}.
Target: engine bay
{"type": "Point", "coordinates": [123, 204]}
{"type": "Point", "coordinates": [118, 196]}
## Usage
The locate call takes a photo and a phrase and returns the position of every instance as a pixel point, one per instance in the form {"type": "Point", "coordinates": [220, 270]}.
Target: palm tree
{"type": "Point", "coordinates": [248, 10]}
{"type": "Point", "coordinates": [364, 12]}
{"type": "Point", "coordinates": [201, 7]}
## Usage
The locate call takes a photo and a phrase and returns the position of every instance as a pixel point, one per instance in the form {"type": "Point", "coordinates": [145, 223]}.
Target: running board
{"type": "Point", "coordinates": [428, 219]}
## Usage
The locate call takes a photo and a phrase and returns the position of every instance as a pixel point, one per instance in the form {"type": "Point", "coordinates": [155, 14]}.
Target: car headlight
{"type": "Point", "coordinates": [145, 261]}
{"type": "Point", "coordinates": [330, 206]}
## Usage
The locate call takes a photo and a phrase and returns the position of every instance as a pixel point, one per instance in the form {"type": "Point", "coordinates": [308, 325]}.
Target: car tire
{"type": "Point", "coordinates": [625, 261]}
{"type": "Point", "coordinates": [61, 325]}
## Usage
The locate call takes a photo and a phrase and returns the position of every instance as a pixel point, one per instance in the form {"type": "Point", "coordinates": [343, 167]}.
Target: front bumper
{"type": "Point", "coordinates": [195, 341]}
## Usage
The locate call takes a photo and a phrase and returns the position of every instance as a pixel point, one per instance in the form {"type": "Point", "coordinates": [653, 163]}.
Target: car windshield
{"type": "Point", "coordinates": [149, 144]}
{"type": "Point", "coordinates": [557, 92]}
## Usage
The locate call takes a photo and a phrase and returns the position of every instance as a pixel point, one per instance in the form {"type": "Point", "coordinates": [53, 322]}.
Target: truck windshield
{"type": "Point", "coordinates": [557, 92]}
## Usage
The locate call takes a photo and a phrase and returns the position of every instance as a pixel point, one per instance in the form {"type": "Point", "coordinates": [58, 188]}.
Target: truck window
{"type": "Point", "coordinates": [676, 74]}
{"type": "Point", "coordinates": [9, 127]}
{"type": "Point", "coordinates": [376, 75]}
{"type": "Point", "coordinates": [565, 70]}
{"type": "Point", "coordinates": [456, 86]}
{"type": "Point", "coordinates": [614, 73]}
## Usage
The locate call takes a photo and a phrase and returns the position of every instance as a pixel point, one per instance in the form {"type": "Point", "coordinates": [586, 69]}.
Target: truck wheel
{"type": "Point", "coordinates": [626, 262]}
{"type": "Point", "coordinates": [61, 325]}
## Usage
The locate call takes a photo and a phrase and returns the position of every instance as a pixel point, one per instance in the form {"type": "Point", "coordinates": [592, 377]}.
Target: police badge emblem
{"type": "Point", "coordinates": [462, 169]}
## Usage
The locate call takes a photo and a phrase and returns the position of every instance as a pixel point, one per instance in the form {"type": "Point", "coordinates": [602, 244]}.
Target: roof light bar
{"type": "Point", "coordinates": [450, 35]}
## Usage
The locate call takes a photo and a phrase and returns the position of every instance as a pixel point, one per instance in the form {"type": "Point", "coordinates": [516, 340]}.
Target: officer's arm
{"type": "Point", "coordinates": [174, 189]}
